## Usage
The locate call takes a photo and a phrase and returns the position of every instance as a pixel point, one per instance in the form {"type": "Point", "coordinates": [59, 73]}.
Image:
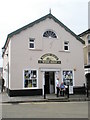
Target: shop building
{"type": "Point", "coordinates": [36, 54]}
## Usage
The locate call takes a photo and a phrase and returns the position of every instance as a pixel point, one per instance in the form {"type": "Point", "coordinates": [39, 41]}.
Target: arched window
{"type": "Point", "coordinates": [49, 34]}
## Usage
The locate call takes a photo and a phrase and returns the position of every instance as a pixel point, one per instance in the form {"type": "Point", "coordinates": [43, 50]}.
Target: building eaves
{"type": "Point", "coordinates": [84, 33]}
{"type": "Point", "coordinates": [50, 16]}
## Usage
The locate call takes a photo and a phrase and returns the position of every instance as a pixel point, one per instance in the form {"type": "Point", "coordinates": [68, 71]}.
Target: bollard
{"type": "Point", "coordinates": [68, 92]}
{"type": "Point", "coordinates": [44, 91]}
{"type": "Point", "coordinates": [87, 93]}
{"type": "Point", "coordinates": [58, 91]}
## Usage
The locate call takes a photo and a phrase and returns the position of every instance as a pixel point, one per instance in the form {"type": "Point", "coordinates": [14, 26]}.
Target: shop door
{"type": "Point", "coordinates": [47, 82]}
{"type": "Point", "coordinates": [50, 82]}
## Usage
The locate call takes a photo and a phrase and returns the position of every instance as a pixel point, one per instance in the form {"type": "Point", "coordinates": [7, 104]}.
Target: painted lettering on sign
{"type": "Point", "coordinates": [49, 59]}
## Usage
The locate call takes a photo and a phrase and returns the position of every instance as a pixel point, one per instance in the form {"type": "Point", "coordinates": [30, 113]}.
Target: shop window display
{"type": "Point", "coordinates": [30, 78]}
{"type": "Point", "coordinates": [68, 77]}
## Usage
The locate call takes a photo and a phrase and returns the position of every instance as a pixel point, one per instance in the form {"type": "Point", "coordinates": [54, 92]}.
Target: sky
{"type": "Point", "coordinates": [15, 14]}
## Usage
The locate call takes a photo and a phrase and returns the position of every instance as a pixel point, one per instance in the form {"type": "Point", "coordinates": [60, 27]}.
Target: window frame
{"type": "Point", "coordinates": [34, 78]}
{"type": "Point", "coordinates": [31, 42]}
{"type": "Point", "coordinates": [68, 70]}
{"type": "Point", "coordinates": [47, 36]}
{"type": "Point", "coordinates": [66, 45]}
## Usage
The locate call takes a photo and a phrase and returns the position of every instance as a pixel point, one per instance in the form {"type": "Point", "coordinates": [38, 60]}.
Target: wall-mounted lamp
{"type": "Point", "coordinates": [74, 69]}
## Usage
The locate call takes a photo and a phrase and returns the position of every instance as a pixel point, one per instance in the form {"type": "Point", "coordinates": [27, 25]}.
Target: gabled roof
{"type": "Point", "coordinates": [50, 16]}
{"type": "Point", "coordinates": [84, 33]}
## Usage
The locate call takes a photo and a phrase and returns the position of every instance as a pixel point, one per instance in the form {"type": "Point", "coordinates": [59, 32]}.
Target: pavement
{"type": "Point", "coordinates": [4, 98]}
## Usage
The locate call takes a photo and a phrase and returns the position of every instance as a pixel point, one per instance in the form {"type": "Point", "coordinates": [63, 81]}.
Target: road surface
{"type": "Point", "coordinates": [46, 110]}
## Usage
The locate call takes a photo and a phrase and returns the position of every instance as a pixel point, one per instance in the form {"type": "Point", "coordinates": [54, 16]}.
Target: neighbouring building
{"type": "Point", "coordinates": [1, 73]}
{"type": "Point", "coordinates": [36, 54]}
{"type": "Point", "coordinates": [86, 37]}
{"type": "Point", "coordinates": [89, 14]}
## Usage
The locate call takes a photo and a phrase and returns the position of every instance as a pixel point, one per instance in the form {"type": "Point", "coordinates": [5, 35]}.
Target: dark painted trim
{"type": "Point", "coordinates": [25, 92]}
{"type": "Point", "coordinates": [84, 33]}
{"type": "Point", "coordinates": [33, 92]}
{"type": "Point", "coordinates": [79, 90]}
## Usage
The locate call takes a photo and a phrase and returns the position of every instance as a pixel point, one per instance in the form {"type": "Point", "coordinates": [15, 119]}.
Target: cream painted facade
{"type": "Point", "coordinates": [25, 75]}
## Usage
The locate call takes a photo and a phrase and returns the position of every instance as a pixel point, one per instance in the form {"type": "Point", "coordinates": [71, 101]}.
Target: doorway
{"type": "Point", "coordinates": [50, 82]}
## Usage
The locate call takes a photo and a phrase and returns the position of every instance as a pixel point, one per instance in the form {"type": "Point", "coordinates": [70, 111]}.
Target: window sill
{"type": "Point", "coordinates": [31, 88]}
{"type": "Point", "coordinates": [64, 51]}
{"type": "Point", "coordinates": [33, 49]}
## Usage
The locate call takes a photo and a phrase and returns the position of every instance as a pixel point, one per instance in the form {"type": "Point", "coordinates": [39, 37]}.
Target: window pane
{"type": "Point", "coordinates": [30, 83]}
{"type": "Point", "coordinates": [49, 34]}
{"type": "Point", "coordinates": [89, 57]}
{"type": "Point", "coordinates": [34, 83]}
{"type": "Point", "coordinates": [34, 73]}
{"type": "Point", "coordinates": [65, 47]}
{"type": "Point", "coordinates": [31, 40]}
{"type": "Point", "coordinates": [89, 41]}
{"type": "Point", "coordinates": [88, 37]}
{"type": "Point", "coordinates": [31, 45]}
{"type": "Point", "coordinates": [26, 83]}
{"type": "Point", "coordinates": [66, 43]}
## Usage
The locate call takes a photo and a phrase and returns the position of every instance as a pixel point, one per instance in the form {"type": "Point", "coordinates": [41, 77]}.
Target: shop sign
{"type": "Point", "coordinates": [49, 59]}
{"type": "Point", "coordinates": [70, 89]}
